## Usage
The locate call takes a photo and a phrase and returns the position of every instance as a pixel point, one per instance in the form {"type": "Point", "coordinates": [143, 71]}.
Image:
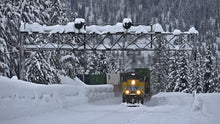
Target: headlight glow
{"type": "Point", "coordinates": [138, 92]}
{"type": "Point", "coordinates": [127, 92]}
{"type": "Point", "coordinates": [133, 82]}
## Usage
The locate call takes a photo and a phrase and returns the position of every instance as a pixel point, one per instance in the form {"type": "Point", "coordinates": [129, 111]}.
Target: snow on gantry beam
{"type": "Point", "coordinates": [192, 30]}
{"type": "Point", "coordinates": [73, 27]}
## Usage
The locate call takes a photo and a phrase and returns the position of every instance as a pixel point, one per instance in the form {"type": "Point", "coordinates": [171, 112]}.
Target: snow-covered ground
{"type": "Point", "coordinates": [70, 103]}
{"type": "Point", "coordinates": [19, 98]}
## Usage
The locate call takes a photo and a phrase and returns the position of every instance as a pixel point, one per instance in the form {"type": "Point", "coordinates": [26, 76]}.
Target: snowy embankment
{"type": "Point", "coordinates": [163, 108]}
{"type": "Point", "coordinates": [181, 108]}
{"type": "Point", "coordinates": [19, 98]}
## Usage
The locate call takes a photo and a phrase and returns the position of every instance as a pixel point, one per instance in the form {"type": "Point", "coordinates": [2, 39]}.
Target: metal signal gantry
{"type": "Point", "coordinates": [120, 37]}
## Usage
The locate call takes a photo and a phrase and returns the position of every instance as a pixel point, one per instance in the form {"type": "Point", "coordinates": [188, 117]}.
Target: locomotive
{"type": "Point", "coordinates": [135, 88]}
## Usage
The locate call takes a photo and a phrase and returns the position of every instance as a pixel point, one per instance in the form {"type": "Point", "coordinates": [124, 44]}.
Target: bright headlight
{"type": "Point", "coordinates": [133, 82]}
{"type": "Point", "coordinates": [138, 92]}
{"type": "Point", "coordinates": [127, 92]}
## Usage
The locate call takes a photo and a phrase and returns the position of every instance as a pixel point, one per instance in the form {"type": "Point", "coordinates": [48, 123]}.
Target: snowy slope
{"type": "Point", "coordinates": [19, 98]}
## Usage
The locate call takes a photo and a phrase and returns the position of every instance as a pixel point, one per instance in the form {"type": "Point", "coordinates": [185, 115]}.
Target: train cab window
{"type": "Point", "coordinates": [137, 76]}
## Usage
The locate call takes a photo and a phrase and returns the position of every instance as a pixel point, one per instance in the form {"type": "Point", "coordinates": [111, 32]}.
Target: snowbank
{"type": "Point", "coordinates": [68, 81]}
{"type": "Point", "coordinates": [205, 104]}
{"type": "Point", "coordinates": [170, 99]}
{"type": "Point", "coordinates": [92, 92]}
{"type": "Point", "coordinates": [19, 98]}
{"type": "Point", "coordinates": [99, 92]}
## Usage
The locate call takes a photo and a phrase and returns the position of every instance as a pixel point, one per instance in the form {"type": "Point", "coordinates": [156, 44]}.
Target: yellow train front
{"type": "Point", "coordinates": [135, 88]}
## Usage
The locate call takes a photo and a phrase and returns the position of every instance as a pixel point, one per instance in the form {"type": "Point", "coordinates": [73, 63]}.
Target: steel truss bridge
{"type": "Point", "coordinates": [102, 38]}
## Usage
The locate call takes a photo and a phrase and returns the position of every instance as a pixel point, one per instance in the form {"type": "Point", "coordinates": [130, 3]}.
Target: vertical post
{"type": "Point", "coordinates": [151, 35]}
{"type": "Point", "coordinates": [194, 38]}
{"type": "Point", "coordinates": [84, 52]}
{"type": "Point", "coordinates": [123, 52]}
{"type": "Point", "coordinates": [22, 69]}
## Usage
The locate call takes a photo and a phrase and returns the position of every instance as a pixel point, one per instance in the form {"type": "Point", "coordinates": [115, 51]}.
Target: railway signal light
{"type": "Point", "coordinates": [127, 23]}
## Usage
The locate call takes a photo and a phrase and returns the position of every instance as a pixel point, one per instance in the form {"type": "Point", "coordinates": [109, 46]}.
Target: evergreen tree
{"type": "Point", "coordinates": [218, 73]}
{"type": "Point", "coordinates": [155, 78]}
{"type": "Point", "coordinates": [182, 84]}
{"type": "Point", "coordinates": [159, 71]}
{"type": "Point", "coordinates": [172, 73]}
{"type": "Point", "coordinates": [100, 63]}
{"type": "Point", "coordinates": [50, 13]}
{"type": "Point", "coordinates": [209, 74]}
{"type": "Point", "coordinates": [197, 75]}
{"type": "Point", "coordinates": [10, 17]}
{"type": "Point", "coordinates": [40, 71]}
{"type": "Point", "coordinates": [27, 11]}
{"type": "Point", "coordinates": [69, 64]}
{"type": "Point", "coordinates": [4, 59]}
{"type": "Point", "coordinates": [94, 63]}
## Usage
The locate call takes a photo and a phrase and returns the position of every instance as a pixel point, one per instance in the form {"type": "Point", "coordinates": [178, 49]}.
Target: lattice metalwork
{"type": "Point", "coordinates": [119, 41]}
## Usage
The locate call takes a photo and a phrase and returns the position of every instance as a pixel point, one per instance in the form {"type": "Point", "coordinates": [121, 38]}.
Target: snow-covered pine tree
{"type": "Point", "coordinates": [173, 72]}
{"type": "Point", "coordinates": [196, 81]}
{"type": "Point", "coordinates": [114, 61]}
{"type": "Point", "coordinates": [159, 69]}
{"type": "Point", "coordinates": [40, 71]}
{"type": "Point", "coordinates": [69, 64]}
{"type": "Point", "coordinates": [182, 84]}
{"type": "Point", "coordinates": [209, 74]}
{"type": "Point", "coordinates": [27, 11]}
{"type": "Point", "coordinates": [57, 12]}
{"type": "Point", "coordinates": [47, 12]}
{"type": "Point", "coordinates": [4, 58]}
{"type": "Point", "coordinates": [83, 62]}
{"type": "Point", "coordinates": [113, 66]}
{"type": "Point", "coordinates": [103, 63]}
{"type": "Point", "coordinates": [93, 61]}
{"type": "Point", "coordinates": [100, 63]}
{"type": "Point", "coordinates": [9, 31]}
{"type": "Point", "coordinates": [218, 72]}
{"type": "Point", "coordinates": [155, 78]}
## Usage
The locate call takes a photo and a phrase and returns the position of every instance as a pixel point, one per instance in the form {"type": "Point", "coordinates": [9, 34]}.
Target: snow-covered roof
{"type": "Point", "coordinates": [117, 28]}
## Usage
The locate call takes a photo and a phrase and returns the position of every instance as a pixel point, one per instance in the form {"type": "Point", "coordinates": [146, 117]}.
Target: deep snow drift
{"type": "Point", "coordinates": [19, 98]}
{"type": "Point", "coordinates": [27, 103]}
